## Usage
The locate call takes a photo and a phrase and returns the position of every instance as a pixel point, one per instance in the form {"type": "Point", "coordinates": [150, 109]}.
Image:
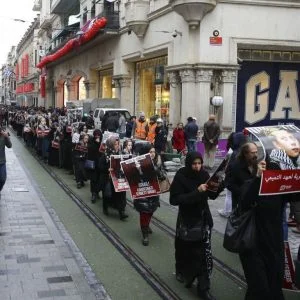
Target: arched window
{"type": "Point", "coordinates": [66, 93]}
{"type": "Point", "coordinates": [82, 95]}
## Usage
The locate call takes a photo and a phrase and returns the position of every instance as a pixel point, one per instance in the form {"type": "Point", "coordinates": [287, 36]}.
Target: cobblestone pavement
{"type": "Point", "coordinates": [220, 222]}
{"type": "Point", "coordinates": [38, 258]}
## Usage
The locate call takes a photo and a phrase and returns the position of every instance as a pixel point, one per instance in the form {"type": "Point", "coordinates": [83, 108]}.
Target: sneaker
{"type": "Point", "coordinates": [224, 214]}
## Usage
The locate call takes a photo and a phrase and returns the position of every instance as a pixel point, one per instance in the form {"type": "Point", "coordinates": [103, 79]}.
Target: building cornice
{"type": "Point", "coordinates": [160, 12]}
{"type": "Point", "coordinates": [273, 3]}
{"type": "Point", "coordinates": [203, 67]}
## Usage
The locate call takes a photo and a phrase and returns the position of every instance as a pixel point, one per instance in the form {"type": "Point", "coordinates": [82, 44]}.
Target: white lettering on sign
{"type": "Point", "coordinates": [256, 106]}
{"type": "Point", "coordinates": [287, 97]}
{"type": "Point", "coordinates": [257, 97]}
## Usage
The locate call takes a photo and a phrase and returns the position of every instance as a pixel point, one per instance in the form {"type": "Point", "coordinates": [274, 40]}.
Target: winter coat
{"type": "Point", "coordinates": [112, 123]}
{"type": "Point", "coordinates": [93, 152]}
{"type": "Point", "coordinates": [190, 131]}
{"type": "Point", "coordinates": [178, 139]}
{"type": "Point", "coordinates": [160, 139]}
{"type": "Point", "coordinates": [211, 131]}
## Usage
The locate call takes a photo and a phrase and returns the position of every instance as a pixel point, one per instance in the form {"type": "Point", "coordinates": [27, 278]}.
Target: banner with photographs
{"type": "Point", "coordinates": [218, 177]}
{"type": "Point", "coordinates": [141, 176]}
{"type": "Point", "coordinates": [281, 146]}
{"type": "Point", "coordinates": [118, 178]}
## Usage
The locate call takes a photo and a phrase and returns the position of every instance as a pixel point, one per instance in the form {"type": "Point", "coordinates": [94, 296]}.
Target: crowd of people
{"type": "Point", "coordinates": [67, 142]}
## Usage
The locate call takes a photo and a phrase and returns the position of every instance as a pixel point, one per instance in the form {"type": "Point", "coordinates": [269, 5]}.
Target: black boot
{"type": "Point", "coordinates": [78, 185]}
{"type": "Point", "coordinates": [93, 197]}
{"type": "Point", "coordinates": [123, 216]}
{"type": "Point", "coordinates": [205, 295]}
{"type": "Point", "coordinates": [145, 240]}
{"type": "Point", "coordinates": [105, 210]}
{"type": "Point", "coordinates": [179, 277]}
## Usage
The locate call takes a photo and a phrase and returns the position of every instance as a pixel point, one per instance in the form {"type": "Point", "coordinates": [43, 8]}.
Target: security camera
{"type": "Point", "coordinates": [176, 33]}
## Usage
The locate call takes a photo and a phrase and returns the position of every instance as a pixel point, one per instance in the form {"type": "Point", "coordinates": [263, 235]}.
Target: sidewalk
{"type": "Point", "coordinates": [37, 255]}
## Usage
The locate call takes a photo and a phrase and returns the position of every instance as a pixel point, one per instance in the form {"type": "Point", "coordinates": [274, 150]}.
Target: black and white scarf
{"type": "Point", "coordinates": [283, 160]}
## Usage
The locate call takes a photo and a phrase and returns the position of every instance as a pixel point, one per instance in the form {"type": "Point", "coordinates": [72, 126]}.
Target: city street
{"type": "Point", "coordinates": [52, 248]}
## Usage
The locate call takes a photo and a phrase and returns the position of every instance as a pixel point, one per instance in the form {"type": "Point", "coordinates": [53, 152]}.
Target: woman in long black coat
{"type": "Point", "coordinates": [94, 155]}
{"type": "Point", "coordinates": [264, 265]}
{"type": "Point", "coordinates": [193, 257]}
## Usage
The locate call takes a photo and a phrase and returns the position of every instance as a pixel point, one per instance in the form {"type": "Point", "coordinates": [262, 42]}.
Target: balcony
{"type": "Point", "coordinates": [46, 21]}
{"type": "Point", "coordinates": [136, 14]}
{"type": "Point", "coordinates": [193, 11]}
{"type": "Point", "coordinates": [37, 5]}
{"type": "Point", "coordinates": [64, 6]}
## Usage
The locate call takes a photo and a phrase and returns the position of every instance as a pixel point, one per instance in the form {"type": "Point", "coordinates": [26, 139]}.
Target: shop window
{"type": "Point", "coordinates": [66, 93]}
{"type": "Point", "coordinates": [82, 95]}
{"type": "Point", "coordinates": [154, 89]}
{"type": "Point", "coordinates": [108, 87]}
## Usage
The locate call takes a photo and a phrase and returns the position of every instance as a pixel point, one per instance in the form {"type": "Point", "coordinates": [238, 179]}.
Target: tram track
{"type": "Point", "coordinates": [152, 278]}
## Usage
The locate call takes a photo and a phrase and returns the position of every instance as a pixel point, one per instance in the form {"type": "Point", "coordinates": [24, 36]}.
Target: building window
{"type": "Point", "coordinates": [65, 93]}
{"type": "Point", "coordinates": [81, 89]}
{"type": "Point", "coordinates": [108, 87]}
{"type": "Point", "coordinates": [153, 93]}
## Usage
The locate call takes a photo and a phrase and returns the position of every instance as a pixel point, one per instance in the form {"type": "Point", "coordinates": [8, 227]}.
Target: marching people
{"type": "Point", "coordinates": [4, 142]}
{"type": "Point", "coordinates": [111, 198]}
{"type": "Point", "coordinates": [194, 223]}
{"type": "Point", "coordinates": [169, 145]}
{"type": "Point", "coordinates": [94, 171]}
{"type": "Point", "coordinates": [80, 154]}
{"type": "Point", "coordinates": [127, 147]}
{"type": "Point", "coordinates": [140, 128]}
{"type": "Point", "coordinates": [178, 138]}
{"type": "Point", "coordinates": [264, 264]}
{"type": "Point", "coordinates": [190, 133]}
{"type": "Point", "coordinates": [211, 133]}
{"type": "Point", "coordinates": [147, 206]}
{"type": "Point", "coordinates": [122, 126]}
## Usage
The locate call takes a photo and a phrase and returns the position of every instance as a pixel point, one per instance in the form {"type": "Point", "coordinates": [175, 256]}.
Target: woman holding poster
{"type": "Point", "coordinates": [194, 223]}
{"type": "Point", "coordinates": [147, 206]}
{"type": "Point", "coordinates": [111, 198]}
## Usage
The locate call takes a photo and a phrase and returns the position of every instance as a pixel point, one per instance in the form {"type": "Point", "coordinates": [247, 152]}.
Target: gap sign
{"type": "Point", "coordinates": [268, 94]}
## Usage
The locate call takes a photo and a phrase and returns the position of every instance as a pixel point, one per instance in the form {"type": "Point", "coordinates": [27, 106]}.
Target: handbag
{"type": "Point", "coordinates": [89, 164]}
{"type": "Point", "coordinates": [191, 233]}
{"type": "Point", "coordinates": [164, 185]}
{"type": "Point", "coordinates": [240, 232]}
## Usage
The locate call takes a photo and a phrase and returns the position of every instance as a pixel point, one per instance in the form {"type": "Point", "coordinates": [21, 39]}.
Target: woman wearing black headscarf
{"type": "Point", "coordinates": [194, 222]}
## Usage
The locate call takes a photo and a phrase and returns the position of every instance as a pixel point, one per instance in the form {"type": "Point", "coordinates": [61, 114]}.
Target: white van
{"type": "Point", "coordinates": [100, 112]}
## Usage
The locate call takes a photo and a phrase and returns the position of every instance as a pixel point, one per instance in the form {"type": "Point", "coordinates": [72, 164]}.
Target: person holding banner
{"type": "Point", "coordinates": [194, 223]}
{"type": "Point", "coordinates": [111, 198]}
{"type": "Point", "coordinates": [147, 206]}
{"type": "Point", "coordinates": [264, 264]}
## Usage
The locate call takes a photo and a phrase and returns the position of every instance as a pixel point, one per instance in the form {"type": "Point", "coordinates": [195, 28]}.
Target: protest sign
{"type": "Point", "coordinates": [118, 178]}
{"type": "Point", "coordinates": [281, 146]}
{"type": "Point", "coordinates": [141, 176]}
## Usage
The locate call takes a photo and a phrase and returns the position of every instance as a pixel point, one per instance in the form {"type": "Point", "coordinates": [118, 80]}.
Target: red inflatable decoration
{"type": "Point", "coordinates": [43, 86]}
{"type": "Point", "coordinates": [87, 36]}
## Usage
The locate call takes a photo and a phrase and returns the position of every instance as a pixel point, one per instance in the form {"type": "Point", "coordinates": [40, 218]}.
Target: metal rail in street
{"type": "Point", "coordinates": [158, 285]}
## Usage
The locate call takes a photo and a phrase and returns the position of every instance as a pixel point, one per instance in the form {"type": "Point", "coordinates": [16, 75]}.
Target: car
{"type": "Point", "coordinates": [100, 112]}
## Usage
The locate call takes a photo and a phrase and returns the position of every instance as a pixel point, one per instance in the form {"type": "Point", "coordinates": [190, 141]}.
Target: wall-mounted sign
{"type": "Point", "coordinates": [215, 40]}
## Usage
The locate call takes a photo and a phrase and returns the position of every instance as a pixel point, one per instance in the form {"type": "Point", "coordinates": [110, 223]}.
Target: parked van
{"type": "Point", "coordinates": [100, 112]}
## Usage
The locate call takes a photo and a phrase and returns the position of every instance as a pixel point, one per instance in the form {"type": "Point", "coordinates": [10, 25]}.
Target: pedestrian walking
{"type": "Point", "coordinates": [147, 206]}
{"type": "Point", "coordinates": [151, 133]}
{"type": "Point", "coordinates": [194, 224]}
{"type": "Point", "coordinates": [264, 264]}
{"type": "Point", "coordinates": [178, 138]}
{"type": "Point", "coordinates": [4, 142]}
{"type": "Point", "coordinates": [160, 137]}
{"type": "Point", "coordinates": [122, 126]}
{"type": "Point", "coordinates": [190, 132]}
{"type": "Point", "coordinates": [211, 133]}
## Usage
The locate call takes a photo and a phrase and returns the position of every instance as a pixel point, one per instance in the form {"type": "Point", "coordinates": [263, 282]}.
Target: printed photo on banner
{"type": "Point", "coordinates": [141, 176]}
{"type": "Point", "coordinates": [118, 178]}
{"type": "Point", "coordinates": [217, 178]}
{"type": "Point", "coordinates": [281, 146]}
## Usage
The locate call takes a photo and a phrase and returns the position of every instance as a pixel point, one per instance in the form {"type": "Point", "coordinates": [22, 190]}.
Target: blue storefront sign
{"type": "Point", "coordinates": [268, 94]}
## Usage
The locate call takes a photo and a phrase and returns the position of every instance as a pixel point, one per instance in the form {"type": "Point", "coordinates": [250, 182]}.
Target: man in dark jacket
{"type": "Point", "coordinates": [160, 137]}
{"type": "Point", "coordinates": [211, 133]}
{"type": "Point", "coordinates": [242, 169]}
{"type": "Point", "coordinates": [190, 132]}
{"type": "Point", "coordinates": [4, 142]}
{"type": "Point", "coordinates": [112, 123]}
